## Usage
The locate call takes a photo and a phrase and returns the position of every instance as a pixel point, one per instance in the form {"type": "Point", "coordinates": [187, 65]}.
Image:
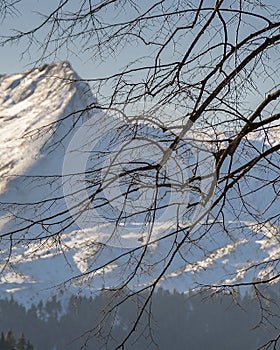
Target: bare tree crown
{"type": "Point", "coordinates": [178, 155]}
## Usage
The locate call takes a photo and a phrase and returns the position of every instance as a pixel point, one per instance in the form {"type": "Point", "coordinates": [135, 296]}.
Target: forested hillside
{"type": "Point", "coordinates": [176, 321]}
{"type": "Point", "coordinates": [9, 342]}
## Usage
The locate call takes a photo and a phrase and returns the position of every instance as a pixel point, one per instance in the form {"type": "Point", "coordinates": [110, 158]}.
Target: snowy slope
{"type": "Point", "coordinates": [33, 106]}
{"type": "Point", "coordinates": [29, 101]}
{"type": "Point", "coordinates": [38, 127]}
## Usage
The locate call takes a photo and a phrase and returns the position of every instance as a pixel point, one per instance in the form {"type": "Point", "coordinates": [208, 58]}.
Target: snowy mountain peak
{"type": "Point", "coordinates": [29, 101]}
{"type": "Point", "coordinates": [47, 142]}
{"type": "Point", "coordinates": [16, 88]}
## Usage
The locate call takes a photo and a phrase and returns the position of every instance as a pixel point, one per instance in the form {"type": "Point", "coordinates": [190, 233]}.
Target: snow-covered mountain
{"type": "Point", "coordinates": [44, 115]}
{"type": "Point", "coordinates": [33, 105]}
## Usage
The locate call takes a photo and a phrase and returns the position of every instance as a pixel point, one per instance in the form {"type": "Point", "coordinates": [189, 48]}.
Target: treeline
{"type": "Point", "coordinates": [9, 342]}
{"type": "Point", "coordinates": [171, 321]}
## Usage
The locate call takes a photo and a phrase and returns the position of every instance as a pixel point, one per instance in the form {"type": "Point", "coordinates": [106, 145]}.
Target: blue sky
{"type": "Point", "coordinates": [28, 16]}
{"type": "Point", "coordinates": [12, 58]}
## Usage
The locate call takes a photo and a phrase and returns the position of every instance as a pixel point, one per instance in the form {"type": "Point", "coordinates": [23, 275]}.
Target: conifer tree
{"type": "Point", "coordinates": [21, 345]}
{"type": "Point", "coordinates": [10, 339]}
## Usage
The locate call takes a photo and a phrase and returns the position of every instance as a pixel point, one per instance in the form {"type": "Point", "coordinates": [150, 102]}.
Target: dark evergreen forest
{"type": "Point", "coordinates": [179, 321]}
{"type": "Point", "coordinates": [9, 342]}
